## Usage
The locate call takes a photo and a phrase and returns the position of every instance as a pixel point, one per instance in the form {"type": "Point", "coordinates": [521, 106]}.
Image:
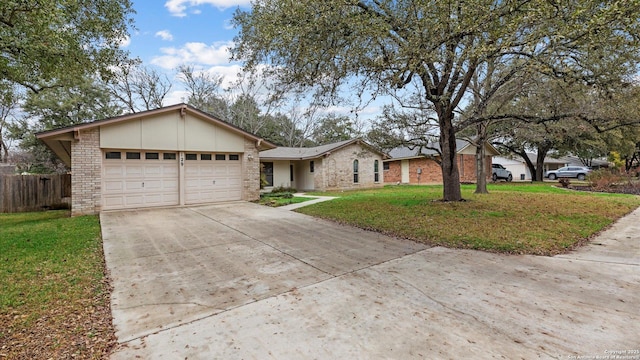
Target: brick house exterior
{"type": "Point", "coordinates": [423, 169]}
{"type": "Point", "coordinates": [162, 141]}
{"type": "Point", "coordinates": [344, 165]}
{"type": "Point", "coordinates": [86, 173]}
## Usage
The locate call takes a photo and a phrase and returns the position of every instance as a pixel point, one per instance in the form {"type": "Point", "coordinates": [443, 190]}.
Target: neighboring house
{"type": "Point", "coordinates": [409, 166]}
{"type": "Point", "coordinates": [520, 171]}
{"type": "Point", "coordinates": [176, 155]}
{"type": "Point", "coordinates": [350, 164]}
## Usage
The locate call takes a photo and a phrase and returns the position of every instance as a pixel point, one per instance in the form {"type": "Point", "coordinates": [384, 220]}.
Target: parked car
{"type": "Point", "coordinates": [499, 172]}
{"type": "Point", "coordinates": [578, 172]}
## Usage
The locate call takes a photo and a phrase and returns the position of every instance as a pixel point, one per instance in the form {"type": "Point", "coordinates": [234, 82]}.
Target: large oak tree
{"type": "Point", "coordinates": [57, 43]}
{"type": "Point", "coordinates": [431, 50]}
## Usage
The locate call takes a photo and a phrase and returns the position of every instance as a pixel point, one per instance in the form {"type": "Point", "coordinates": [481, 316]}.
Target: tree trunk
{"type": "Point", "coordinates": [4, 151]}
{"type": "Point", "coordinates": [540, 166]}
{"type": "Point", "coordinates": [450, 174]}
{"type": "Point", "coordinates": [543, 150]}
{"type": "Point", "coordinates": [481, 171]}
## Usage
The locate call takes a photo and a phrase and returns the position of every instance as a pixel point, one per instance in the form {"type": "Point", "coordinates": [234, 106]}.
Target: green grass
{"type": "Point", "coordinates": [51, 273]}
{"type": "Point", "coordinates": [513, 218]}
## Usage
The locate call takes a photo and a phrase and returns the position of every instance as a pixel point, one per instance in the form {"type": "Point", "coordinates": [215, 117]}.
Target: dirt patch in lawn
{"type": "Point", "coordinates": [81, 330]}
{"type": "Point", "coordinates": [633, 189]}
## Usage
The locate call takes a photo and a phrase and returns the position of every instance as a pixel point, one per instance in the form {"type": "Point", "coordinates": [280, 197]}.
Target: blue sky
{"type": "Point", "coordinates": [170, 33]}
{"type": "Point", "coordinates": [193, 32]}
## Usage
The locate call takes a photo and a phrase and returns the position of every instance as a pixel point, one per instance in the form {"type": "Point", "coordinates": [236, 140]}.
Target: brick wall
{"type": "Point", "coordinates": [250, 172]}
{"type": "Point", "coordinates": [86, 173]}
{"type": "Point", "coordinates": [431, 171]}
{"type": "Point", "coordinates": [337, 169]}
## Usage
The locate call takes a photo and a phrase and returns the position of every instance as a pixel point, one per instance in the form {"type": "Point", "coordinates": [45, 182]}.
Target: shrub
{"type": "Point", "coordinates": [603, 179]}
{"type": "Point", "coordinates": [564, 182]}
{"type": "Point", "coordinates": [282, 189]}
{"type": "Point", "coordinates": [284, 195]}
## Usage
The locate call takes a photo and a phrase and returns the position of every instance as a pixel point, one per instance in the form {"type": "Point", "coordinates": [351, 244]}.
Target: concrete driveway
{"type": "Point", "coordinates": [242, 281]}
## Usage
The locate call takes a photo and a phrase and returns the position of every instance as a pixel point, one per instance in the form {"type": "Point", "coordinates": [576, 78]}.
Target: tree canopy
{"type": "Point", "coordinates": [426, 53]}
{"type": "Point", "coordinates": [48, 43]}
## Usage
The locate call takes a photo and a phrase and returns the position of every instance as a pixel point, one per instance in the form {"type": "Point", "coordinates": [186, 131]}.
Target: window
{"type": "Point", "coordinates": [169, 156]}
{"type": "Point", "coordinates": [221, 157]}
{"type": "Point", "coordinates": [205, 156]}
{"type": "Point", "coordinates": [234, 157]}
{"type": "Point", "coordinates": [376, 174]}
{"type": "Point", "coordinates": [267, 172]}
{"type": "Point", "coordinates": [113, 155]}
{"type": "Point", "coordinates": [290, 172]}
{"type": "Point", "coordinates": [385, 166]}
{"type": "Point", "coordinates": [191, 156]}
{"type": "Point", "coordinates": [311, 166]}
{"type": "Point", "coordinates": [133, 155]}
{"type": "Point", "coordinates": [152, 156]}
{"type": "Point", "coordinates": [355, 171]}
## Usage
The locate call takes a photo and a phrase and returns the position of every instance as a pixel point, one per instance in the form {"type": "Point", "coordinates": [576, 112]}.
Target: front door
{"type": "Point", "coordinates": [404, 167]}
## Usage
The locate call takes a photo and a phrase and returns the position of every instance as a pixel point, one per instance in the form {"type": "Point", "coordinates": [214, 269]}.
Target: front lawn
{"type": "Point", "coordinates": [54, 299]}
{"type": "Point", "coordinates": [514, 218]}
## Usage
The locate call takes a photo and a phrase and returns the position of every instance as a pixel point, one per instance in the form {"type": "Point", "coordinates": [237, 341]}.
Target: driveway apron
{"type": "Point", "coordinates": [176, 265]}
{"type": "Point", "coordinates": [239, 281]}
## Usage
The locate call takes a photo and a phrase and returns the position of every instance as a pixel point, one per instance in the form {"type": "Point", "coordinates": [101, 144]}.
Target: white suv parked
{"type": "Point", "coordinates": [499, 172]}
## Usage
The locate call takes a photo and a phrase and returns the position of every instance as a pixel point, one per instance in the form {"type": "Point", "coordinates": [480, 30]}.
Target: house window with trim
{"type": "Point", "coordinates": [267, 172]}
{"type": "Point", "coordinates": [376, 172]}
{"type": "Point", "coordinates": [291, 172]}
{"type": "Point", "coordinates": [311, 166]}
{"type": "Point", "coordinates": [385, 166]}
{"type": "Point", "coordinates": [355, 171]}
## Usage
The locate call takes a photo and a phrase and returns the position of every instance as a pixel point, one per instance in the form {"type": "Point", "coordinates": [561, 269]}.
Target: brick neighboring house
{"type": "Point", "coordinates": [175, 155]}
{"type": "Point", "coordinates": [350, 164]}
{"type": "Point", "coordinates": [407, 166]}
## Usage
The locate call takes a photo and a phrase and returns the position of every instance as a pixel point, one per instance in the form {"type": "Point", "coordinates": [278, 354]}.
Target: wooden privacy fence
{"type": "Point", "coordinates": [19, 193]}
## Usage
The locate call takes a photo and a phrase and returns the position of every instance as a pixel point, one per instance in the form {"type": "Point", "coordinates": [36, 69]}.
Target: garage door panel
{"type": "Point", "coordinates": [131, 183]}
{"type": "Point", "coordinates": [113, 202]}
{"type": "Point", "coordinates": [113, 186]}
{"type": "Point", "coordinates": [133, 171]}
{"type": "Point", "coordinates": [212, 180]}
{"type": "Point", "coordinates": [134, 200]}
{"type": "Point", "coordinates": [145, 182]}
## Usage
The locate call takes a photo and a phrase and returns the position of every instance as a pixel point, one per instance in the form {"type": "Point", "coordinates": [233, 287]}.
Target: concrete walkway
{"type": "Point", "coordinates": [310, 202]}
{"type": "Point", "coordinates": [243, 281]}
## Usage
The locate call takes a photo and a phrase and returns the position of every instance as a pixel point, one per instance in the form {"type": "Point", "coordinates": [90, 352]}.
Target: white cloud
{"type": "Point", "coordinates": [164, 35]}
{"type": "Point", "coordinates": [175, 97]}
{"type": "Point", "coordinates": [179, 7]}
{"type": "Point", "coordinates": [124, 42]}
{"type": "Point", "coordinates": [194, 53]}
{"type": "Point", "coordinates": [229, 74]}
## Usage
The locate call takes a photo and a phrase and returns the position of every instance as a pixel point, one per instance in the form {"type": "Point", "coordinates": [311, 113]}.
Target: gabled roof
{"type": "Point", "coordinates": [301, 153]}
{"type": "Point", "coordinates": [404, 152]}
{"type": "Point", "coordinates": [59, 140]}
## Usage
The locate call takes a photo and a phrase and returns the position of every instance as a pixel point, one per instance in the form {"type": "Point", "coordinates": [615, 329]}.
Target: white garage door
{"type": "Point", "coordinates": [212, 177]}
{"type": "Point", "coordinates": [133, 179]}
